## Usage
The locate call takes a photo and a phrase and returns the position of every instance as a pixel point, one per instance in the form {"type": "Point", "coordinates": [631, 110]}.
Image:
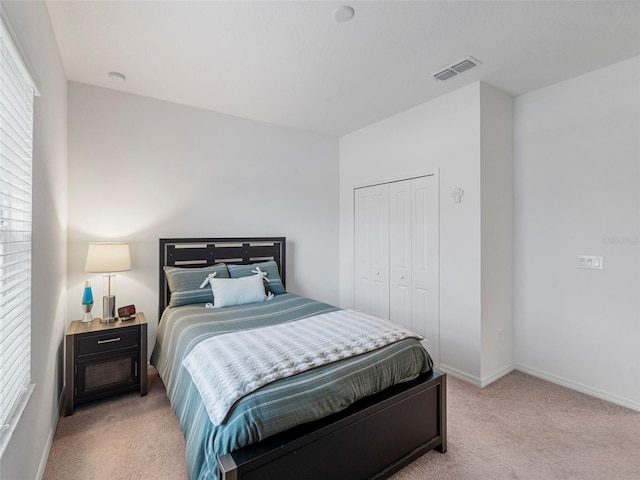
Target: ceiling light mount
{"type": "Point", "coordinates": [117, 77]}
{"type": "Point", "coordinates": [343, 14]}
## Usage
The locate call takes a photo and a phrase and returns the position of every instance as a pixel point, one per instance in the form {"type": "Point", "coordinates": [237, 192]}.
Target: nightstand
{"type": "Point", "coordinates": [105, 359]}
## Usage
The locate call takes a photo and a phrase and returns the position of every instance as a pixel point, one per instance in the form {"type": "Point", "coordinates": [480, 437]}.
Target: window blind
{"type": "Point", "coordinates": [17, 91]}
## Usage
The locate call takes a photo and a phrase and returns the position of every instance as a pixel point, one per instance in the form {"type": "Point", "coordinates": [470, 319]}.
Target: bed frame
{"type": "Point", "coordinates": [373, 438]}
{"type": "Point", "coordinates": [202, 252]}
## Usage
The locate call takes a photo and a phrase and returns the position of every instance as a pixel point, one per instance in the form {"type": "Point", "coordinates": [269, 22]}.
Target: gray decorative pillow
{"type": "Point", "coordinates": [184, 283]}
{"type": "Point", "coordinates": [270, 268]}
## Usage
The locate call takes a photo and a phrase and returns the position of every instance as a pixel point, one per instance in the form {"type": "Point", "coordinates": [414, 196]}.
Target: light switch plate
{"type": "Point", "coordinates": [457, 194]}
{"type": "Point", "coordinates": [590, 262]}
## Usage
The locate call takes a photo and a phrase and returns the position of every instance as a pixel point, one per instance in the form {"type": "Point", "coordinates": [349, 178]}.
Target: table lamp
{"type": "Point", "coordinates": [107, 258]}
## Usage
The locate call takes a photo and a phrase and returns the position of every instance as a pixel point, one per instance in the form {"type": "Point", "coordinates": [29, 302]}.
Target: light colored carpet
{"type": "Point", "coordinates": [124, 437]}
{"type": "Point", "coordinates": [519, 427]}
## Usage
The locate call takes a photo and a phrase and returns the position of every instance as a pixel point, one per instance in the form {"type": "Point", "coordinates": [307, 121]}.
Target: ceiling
{"type": "Point", "coordinates": [289, 63]}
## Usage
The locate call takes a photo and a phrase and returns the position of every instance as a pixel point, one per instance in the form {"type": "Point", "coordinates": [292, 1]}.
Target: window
{"type": "Point", "coordinates": [17, 91]}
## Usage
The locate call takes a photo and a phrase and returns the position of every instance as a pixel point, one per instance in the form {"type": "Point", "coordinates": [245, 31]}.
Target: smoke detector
{"type": "Point", "coordinates": [343, 14]}
{"type": "Point", "coordinates": [457, 68]}
{"type": "Point", "coordinates": [117, 77]}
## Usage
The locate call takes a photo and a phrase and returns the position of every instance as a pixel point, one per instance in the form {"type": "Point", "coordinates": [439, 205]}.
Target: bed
{"type": "Point", "coordinates": [387, 426]}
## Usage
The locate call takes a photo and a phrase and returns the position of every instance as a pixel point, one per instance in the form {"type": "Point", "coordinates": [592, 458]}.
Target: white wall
{"type": "Point", "coordinates": [465, 136]}
{"type": "Point", "coordinates": [509, 250]}
{"type": "Point", "coordinates": [496, 125]}
{"type": "Point", "coordinates": [577, 177]}
{"type": "Point", "coordinates": [27, 451]}
{"type": "Point", "coordinates": [141, 169]}
{"type": "Point", "coordinates": [441, 135]}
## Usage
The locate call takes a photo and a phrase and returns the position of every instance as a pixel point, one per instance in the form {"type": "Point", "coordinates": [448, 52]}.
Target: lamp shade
{"type": "Point", "coordinates": [108, 257]}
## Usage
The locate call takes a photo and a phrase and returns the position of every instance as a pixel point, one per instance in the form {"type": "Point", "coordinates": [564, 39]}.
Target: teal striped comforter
{"type": "Point", "coordinates": [280, 405]}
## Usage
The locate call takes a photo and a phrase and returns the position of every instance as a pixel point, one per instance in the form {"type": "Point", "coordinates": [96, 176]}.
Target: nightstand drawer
{"type": "Point", "coordinates": [107, 342]}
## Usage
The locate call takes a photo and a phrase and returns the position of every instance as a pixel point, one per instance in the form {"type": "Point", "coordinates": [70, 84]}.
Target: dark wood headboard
{"type": "Point", "coordinates": [202, 252]}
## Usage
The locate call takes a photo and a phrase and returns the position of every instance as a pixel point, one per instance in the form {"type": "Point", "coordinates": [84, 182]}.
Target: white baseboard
{"type": "Point", "coordinates": [47, 447]}
{"type": "Point", "coordinates": [454, 372]}
{"type": "Point", "coordinates": [472, 379]}
{"type": "Point", "coordinates": [484, 381]}
{"type": "Point", "coordinates": [594, 392]}
{"type": "Point", "coordinates": [579, 387]}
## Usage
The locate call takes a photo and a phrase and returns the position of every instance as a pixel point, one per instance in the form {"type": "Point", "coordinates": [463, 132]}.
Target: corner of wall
{"type": "Point", "coordinates": [496, 174]}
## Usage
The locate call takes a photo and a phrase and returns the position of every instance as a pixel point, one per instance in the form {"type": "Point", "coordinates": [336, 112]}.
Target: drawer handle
{"type": "Point", "coordinates": [117, 339]}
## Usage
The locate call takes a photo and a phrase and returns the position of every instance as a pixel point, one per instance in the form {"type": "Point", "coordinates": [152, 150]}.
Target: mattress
{"type": "Point", "coordinates": [280, 405]}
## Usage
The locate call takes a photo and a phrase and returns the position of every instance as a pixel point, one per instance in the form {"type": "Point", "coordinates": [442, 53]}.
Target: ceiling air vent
{"type": "Point", "coordinates": [444, 74]}
{"type": "Point", "coordinates": [458, 67]}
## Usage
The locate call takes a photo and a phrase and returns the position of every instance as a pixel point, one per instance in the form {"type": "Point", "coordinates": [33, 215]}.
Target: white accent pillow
{"type": "Point", "coordinates": [228, 292]}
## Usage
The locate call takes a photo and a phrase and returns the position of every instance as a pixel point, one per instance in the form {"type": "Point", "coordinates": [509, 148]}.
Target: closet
{"type": "Point", "coordinates": [396, 255]}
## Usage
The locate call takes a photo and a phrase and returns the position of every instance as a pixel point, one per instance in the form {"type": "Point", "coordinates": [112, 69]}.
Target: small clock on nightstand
{"type": "Point", "coordinates": [105, 359]}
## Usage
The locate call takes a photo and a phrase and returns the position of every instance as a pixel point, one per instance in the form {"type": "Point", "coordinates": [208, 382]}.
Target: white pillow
{"type": "Point", "coordinates": [237, 291]}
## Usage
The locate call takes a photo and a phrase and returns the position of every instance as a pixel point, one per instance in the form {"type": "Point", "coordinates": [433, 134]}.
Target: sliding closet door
{"type": "Point", "coordinates": [425, 295]}
{"type": "Point", "coordinates": [400, 252]}
{"type": "Point", "coordinates": [372, 250]}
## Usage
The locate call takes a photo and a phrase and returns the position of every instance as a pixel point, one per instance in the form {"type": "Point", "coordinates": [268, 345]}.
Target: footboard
{"type": "Point", "coordinates": [373, 438]}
